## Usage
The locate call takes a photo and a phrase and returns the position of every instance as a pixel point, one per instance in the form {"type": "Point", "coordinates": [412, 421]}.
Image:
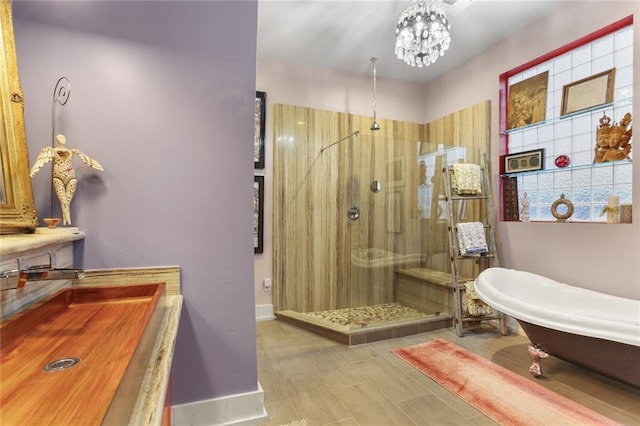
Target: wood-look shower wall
{"type": "Point", "coordinates": [470, 128]}
{"type": "Point", "coordinates": [313, 189]}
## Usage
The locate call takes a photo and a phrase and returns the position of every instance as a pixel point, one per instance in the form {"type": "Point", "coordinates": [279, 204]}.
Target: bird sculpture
{"type": "Point", "coordinates": [64, 176]}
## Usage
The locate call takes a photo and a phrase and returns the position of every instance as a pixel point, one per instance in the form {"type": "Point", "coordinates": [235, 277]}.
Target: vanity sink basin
{"type": "Point", "coordinates": [97, 340]}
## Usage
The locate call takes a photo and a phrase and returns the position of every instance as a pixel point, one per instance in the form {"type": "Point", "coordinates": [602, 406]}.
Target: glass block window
{"type": "Point", "coordinates": [585, 183]}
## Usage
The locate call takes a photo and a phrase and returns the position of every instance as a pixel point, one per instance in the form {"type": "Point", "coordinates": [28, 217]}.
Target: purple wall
{"type": "Point", "coordinates": [162, 95]}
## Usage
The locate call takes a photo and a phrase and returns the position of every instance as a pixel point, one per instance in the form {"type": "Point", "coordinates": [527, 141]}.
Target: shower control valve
{"type": "Point", "coordinates": [353, 213]}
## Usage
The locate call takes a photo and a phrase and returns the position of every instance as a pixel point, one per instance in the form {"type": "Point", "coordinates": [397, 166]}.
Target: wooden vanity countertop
{"type": "Point", "coordinates": [101, 326]}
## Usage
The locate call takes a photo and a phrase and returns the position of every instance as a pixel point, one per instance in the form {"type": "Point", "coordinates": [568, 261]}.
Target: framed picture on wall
{"type": "Point", "coordinates": [526, 161]}
{"type": "Point", "coordinates": [259, 131]}
{"type": "Point", "coordinates": [527, 101]}
{"type": "Point", "coordinates": [589, 92]}
{"type": "Point", "coordinates": [258, 214]}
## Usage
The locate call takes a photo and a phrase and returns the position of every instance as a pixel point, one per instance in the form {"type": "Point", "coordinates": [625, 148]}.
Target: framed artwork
{"type": "Point", "coordinates": [527, 101]}
{"type": "Point", "coordinates": [589, 92]}
{"type": "Point", "coordinates": [258, 214]}
{"type": "Point", "coordinates": [258, 139]}
{"type": "Point", "coordinates": [526, 161]}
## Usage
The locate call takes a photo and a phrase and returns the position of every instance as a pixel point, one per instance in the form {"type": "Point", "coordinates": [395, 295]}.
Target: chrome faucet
{"type": "Point", "coordinates": [17, 278]}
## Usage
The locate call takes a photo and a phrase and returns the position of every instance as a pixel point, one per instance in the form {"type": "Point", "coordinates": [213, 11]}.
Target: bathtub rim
{"type": "Point", "coordinates": [569, 322]}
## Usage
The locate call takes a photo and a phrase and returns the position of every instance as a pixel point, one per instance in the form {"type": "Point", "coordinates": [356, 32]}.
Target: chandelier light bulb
{"type": "Point", "coordinates": [422, 33]}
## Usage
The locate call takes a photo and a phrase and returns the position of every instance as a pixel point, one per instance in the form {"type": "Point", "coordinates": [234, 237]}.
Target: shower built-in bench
{"type": "Point", "coordinates": [426, 290]}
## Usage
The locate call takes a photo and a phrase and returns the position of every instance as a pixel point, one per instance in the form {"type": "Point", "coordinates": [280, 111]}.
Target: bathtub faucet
{"type": "Point", "coordinates": [17, 278]}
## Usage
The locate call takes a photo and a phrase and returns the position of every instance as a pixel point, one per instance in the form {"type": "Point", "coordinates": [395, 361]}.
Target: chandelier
{"type": "Point", "coordinates": [422, 33]}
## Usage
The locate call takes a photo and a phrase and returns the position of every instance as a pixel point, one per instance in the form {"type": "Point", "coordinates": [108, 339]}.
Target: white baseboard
{"type": "Point", "coordinates": [244, 409]}
{"type": "Point", "coordinates": [264, 313]}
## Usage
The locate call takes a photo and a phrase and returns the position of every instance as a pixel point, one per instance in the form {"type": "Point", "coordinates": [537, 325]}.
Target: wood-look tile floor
{"type": "Point", "coordinates": [308, 379]}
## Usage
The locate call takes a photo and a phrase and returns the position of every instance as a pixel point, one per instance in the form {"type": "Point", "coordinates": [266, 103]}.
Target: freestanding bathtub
{"type": "Point", "coordinates": [584, 327]}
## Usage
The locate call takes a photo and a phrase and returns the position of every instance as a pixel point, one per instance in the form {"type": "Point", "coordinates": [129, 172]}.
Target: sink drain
{"type": "Point", "coordinates": [61, 364]}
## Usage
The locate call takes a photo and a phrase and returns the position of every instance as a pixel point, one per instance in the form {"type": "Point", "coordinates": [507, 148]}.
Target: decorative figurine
{"type": "Point", "coordinates": [64, 176]}
{"type": "Point", "coordinates": [524, 212]}
{"type": "Point", "coordinates": [613, 140]}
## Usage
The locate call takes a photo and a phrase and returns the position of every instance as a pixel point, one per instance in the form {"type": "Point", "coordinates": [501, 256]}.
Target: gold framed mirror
{"type": "Point", "coordinates": [17, 207]}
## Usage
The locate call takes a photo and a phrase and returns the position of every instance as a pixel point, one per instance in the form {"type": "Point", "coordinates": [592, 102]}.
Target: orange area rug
{"type": "Point", "coordinates": [500, 394]}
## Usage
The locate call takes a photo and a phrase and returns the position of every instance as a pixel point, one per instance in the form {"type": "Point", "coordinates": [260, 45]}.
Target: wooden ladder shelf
{"type": "Point", "coordinates": [470, 265]}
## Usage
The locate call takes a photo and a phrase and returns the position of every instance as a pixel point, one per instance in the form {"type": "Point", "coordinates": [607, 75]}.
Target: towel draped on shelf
{"type": "Point", "coordinates": [467, 178]}
{"type": "Point", "coordinates": [471, 238]}
{"type": "Point", "coordinates": [472, 303]}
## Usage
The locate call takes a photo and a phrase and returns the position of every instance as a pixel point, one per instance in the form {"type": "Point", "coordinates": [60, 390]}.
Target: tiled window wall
{"type": "Point", "coordinates": [588, 185]}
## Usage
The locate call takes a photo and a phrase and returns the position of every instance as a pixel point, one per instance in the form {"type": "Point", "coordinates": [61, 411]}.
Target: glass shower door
{"type": "Point", "coordinates": [387, 236]}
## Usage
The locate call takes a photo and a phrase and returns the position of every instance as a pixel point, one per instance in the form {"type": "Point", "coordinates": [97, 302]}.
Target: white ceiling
{"type": "Point", "coordinates": [345, 35]}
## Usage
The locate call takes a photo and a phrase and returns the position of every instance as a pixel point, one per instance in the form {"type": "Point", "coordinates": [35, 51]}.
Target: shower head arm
{"type": "Point", "coordinates": [356, 133]}
{"type": "Point", "coordinates": [374, 125]}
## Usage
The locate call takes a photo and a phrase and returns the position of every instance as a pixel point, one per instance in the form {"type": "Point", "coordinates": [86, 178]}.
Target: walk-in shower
{"type": "Point", "coordinates": [355, 211]}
